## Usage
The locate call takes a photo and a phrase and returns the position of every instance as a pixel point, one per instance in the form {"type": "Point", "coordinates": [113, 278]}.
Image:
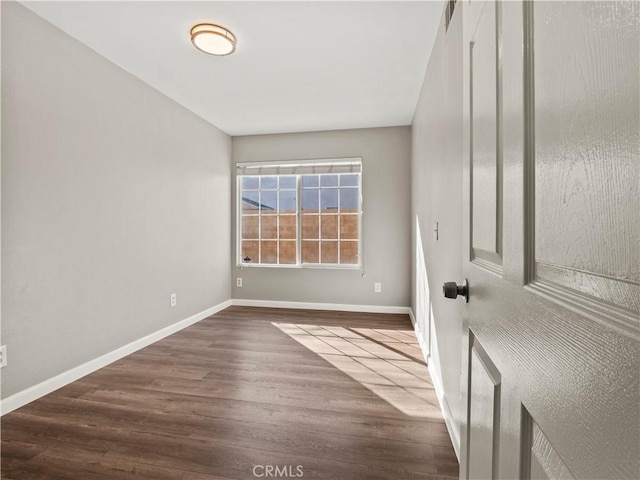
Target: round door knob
{"type": "Point", "coordinates": [452, 290]}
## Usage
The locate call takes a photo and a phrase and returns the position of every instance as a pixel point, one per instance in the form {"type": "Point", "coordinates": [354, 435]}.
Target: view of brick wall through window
{"type": "Point", "coordinates": [328, 211]}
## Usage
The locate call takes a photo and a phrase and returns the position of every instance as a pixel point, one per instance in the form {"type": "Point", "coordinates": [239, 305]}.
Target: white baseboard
{"type": "Point", "coordinates": [454, 434]}
{"type": "Point", "coordinates": [321, 306]}
{"type": "Point", "coordinates": [446, 411]}
{"type": "Point", "coordinates": [413, 321]}
{"type": "Point", "coordinates": [32, 393]}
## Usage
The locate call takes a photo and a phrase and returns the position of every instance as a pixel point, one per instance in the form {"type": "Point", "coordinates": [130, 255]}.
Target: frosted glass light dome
{"type": "Point", "coordinates": [213, 39]}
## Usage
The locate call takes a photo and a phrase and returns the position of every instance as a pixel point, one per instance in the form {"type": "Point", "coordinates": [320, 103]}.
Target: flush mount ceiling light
{"type": "Point", "coordinates": [213, 39]}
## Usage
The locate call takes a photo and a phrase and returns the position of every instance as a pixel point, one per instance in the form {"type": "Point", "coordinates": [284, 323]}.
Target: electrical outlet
{"type": "Point", "coordinates": [239, 282]}
{"type": "Point", "coordinates": [377, 287]}
{"type": "Point", "coordinates": [174, 300]}
{"type": "Point", "coordinates": [3, 356]}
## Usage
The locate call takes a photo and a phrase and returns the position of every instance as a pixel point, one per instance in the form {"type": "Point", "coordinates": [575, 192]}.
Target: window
{"type": "Point", "coordinates": [300, 214]}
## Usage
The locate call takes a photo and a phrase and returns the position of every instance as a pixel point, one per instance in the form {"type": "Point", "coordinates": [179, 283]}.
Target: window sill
{"type": "Point", "coordinates": [304, 266]}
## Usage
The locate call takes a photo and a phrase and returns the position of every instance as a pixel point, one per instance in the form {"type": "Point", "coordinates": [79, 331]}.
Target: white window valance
{"type": "Point", "coordinates": [301, 167]}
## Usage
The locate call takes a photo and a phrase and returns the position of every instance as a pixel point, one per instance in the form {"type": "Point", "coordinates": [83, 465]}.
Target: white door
{"type": "Point", "coordinates": [552, 239]}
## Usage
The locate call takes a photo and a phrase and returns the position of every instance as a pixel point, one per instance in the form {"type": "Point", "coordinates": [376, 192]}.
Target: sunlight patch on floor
{"type": "Point", "coordinates": [387, 362]}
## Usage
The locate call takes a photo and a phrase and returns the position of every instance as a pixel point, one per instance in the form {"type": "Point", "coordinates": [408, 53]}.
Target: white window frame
{"type": "Point", "coordinates": [323, 167]}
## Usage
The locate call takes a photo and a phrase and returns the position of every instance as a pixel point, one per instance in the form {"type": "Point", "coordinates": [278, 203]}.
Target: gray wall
{"type": "Point", "coordinates": [113, 197]}
{"type": "Point", "coordinates": [386, 157]}
{"type": "Point", "coordinates": [437, 197]}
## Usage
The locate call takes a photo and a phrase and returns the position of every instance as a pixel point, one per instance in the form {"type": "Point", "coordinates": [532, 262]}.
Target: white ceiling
{"type": "Point", "coordinates": [299, 66]}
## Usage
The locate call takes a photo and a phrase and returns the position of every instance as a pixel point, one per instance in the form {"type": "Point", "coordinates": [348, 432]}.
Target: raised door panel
{"type": "Point", "coordinates": [486, 169]}
{"type": "Point", "coordinates": [586, 129]}
{"type": "Point", "coordinates": [484, 416]}
{"type": "Point", "coordinates": [546, 464]}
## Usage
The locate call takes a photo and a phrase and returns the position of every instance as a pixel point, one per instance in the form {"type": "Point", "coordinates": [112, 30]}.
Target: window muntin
{"type": "Point", "coordinates": [300, 220]}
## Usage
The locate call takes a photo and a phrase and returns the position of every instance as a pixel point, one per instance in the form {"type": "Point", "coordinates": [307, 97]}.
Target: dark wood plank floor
{"type": "Point", "coordinates": [240, 391]}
